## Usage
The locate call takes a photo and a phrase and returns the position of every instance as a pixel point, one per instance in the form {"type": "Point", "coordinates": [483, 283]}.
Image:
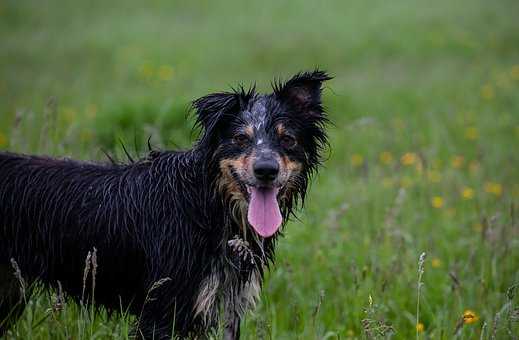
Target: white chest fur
{"type": "Point", "coordinates": [222, 289]}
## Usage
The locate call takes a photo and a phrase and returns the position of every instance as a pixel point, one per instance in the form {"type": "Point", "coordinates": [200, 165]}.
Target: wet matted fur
{"type": "Point", "coordinates": [174, 217]}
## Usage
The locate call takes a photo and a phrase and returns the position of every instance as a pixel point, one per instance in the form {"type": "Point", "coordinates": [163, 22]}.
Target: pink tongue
{"type": "Point", "coordinates": [264, 214]}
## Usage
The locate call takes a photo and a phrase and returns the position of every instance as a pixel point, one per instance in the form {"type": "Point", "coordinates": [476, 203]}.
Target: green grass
{"type": "Point", "coordinates": [431, 86]}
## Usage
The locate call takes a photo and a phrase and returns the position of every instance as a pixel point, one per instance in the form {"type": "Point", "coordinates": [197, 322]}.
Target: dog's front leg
{"type": "Point", "coordinates": [244, 300]}
{"type": "Point", "coordinates": [232, 324]}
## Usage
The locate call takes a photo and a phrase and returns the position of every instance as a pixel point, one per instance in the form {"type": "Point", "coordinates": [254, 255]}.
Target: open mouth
{"type": "Point", "coordinates": [264, 214]}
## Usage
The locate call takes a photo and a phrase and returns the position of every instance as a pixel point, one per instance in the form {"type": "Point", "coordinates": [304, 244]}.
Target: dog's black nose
{"type": "Point", "coordinates": [266, 170]}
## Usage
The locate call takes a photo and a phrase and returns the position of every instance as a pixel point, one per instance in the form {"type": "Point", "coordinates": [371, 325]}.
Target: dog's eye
{"type": "Point", "coordinates": [241, 139]}
{"type": "Point", "coordinates": [288, 141]}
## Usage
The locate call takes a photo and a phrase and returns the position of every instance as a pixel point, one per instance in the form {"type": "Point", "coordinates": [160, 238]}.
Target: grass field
{"type": "Point", "coordinates": [425, 106]}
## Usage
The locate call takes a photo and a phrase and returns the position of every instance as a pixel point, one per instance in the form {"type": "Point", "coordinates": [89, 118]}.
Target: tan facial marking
{"type": "Point", "coordinates": [238, 164]}
{"type": "Point", "coordinates": [231, 190]}
{"type": "Point", "coordinates": [289, 169]}
{"type": "Point", "coordinates": [226, 183]}
{"type": "Point", "coordinates": [290, 165]}
{"type": "Point", "coordinates": [249, 130]}
{"type": "Point", "coordinates": [280, 129]}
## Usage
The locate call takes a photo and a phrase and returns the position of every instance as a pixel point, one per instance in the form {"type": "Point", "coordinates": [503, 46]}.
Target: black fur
{"type": "Point", "coordinates": [159, 217]}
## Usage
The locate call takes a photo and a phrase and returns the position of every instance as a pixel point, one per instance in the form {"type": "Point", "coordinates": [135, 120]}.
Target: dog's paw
{"type": "Point", "coordinates": [242, 251]}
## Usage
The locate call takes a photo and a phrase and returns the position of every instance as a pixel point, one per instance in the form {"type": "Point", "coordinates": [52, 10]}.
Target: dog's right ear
{"type": "Point", "coordinates": [303, 92]}
{"type": "Point", "coordinates": [214, 109]}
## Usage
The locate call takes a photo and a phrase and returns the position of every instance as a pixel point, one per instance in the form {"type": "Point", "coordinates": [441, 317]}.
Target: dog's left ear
{"type": "Point", "coordinates": [212, 110]}
{"type": "Point", "coordinates": [303, 91]}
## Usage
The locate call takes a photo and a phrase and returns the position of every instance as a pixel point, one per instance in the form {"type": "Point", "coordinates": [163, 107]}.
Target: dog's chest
{"type": "Point", "coordinates": [224, 288]}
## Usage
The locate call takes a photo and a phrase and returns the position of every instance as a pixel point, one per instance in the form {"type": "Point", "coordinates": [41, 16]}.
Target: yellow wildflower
{"type": "Point", "coordinates": [436, 263]}
{"type": "Point", "coordinates": [420, 327]}
{"type": "Point", "coordinates": [3, 140]}
{"type": "Point", "coordinates": [474, 166]}
{"type": "Point", "coordinates": [457, 161]}
{"type": "Point", "coordinates": [469, 317]}
{"type": "Point", "coordinates": [386, 157]}
{"type": "Point", "coordinates": [434, 176]}
{"type": "Point", "coordinates": [146, 71]}
{"type": "Point", "coordinates": [387, 182]}
{"type": "Point", "coordinates": [166, 72]}
{"type": "Point", "coordinates": [477, 227]}
{"type": "Point", "coordinates": [471, 133]}
{"type": "Point", "coordinates": [467, 193]}
{"type": "Point", "coordinates": [493, 188]}
{"type": "Point", "coordinates": [515, 72]}
{"type": "Point", "coordinates": [487, 92]}
{"type": "Point", "coordinates": [515, 190]}
{"type": "Point", "coordinates": [91, 110]}
{"type": "Point", "coordinates": [398, 124]}
{"type": "Point", "coordinates": [356, 159]}
{"type": "Point", "coordinates": [409, 158]}
{"type": "Point", "coordinates": [86, 135]}
{"type": "Point", "coordinates": [69, 113]}
{"type": "Point", "coordinates": [437, 202]}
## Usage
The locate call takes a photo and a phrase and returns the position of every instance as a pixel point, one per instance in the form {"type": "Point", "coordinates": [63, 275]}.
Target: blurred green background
{"type": "Point", "coordinates": [423, 158]}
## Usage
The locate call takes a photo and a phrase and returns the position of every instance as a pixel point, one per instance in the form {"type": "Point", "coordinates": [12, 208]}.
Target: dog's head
{"type": "Point", "coordinates": [265, 146]}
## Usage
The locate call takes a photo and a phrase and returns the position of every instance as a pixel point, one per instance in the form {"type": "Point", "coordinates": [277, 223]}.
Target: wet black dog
{"type": "Point", "coordinates": [179, 235]}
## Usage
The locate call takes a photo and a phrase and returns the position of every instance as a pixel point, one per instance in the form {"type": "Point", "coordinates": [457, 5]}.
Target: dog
{"type": "Point", "coordinates": [181, 239]}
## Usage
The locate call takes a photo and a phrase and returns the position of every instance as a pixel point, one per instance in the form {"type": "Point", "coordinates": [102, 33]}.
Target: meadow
{"type": "Point", "coordinates": [423, 147]}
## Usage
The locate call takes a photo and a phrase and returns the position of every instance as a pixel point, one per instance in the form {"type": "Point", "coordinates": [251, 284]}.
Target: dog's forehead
{"type": "Point", "coordinates": [256, 114]}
